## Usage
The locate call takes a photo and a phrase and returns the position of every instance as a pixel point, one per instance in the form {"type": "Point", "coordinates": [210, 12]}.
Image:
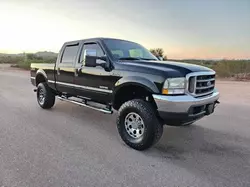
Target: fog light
{"type": "Point", "coordinates": [176, 91]}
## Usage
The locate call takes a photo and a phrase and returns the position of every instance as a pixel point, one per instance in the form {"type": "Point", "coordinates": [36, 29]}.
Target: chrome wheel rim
{"type": "Point", "coordinates": [134, 125]}
{"type": "Point", "coordinates": [41, 96]}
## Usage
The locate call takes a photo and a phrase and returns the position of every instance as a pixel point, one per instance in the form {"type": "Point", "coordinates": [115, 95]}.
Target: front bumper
{"type": "Point", "coordinates": [185, 108]}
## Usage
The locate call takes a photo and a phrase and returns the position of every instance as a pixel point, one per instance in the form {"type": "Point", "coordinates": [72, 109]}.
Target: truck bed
{"type": "Point", "coordinates": [44, 68]}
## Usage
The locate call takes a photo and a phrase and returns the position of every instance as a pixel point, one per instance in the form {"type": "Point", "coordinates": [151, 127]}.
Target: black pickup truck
{"type": "Point", "coordinates": [108, 74]}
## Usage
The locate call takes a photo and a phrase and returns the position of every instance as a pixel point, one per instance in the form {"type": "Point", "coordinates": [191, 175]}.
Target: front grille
{"type": "Point", "coordinates": [201, 84]}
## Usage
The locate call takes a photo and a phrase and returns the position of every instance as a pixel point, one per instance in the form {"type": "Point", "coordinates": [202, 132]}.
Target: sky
{"type": "Point", "coordinates": [207, 29]}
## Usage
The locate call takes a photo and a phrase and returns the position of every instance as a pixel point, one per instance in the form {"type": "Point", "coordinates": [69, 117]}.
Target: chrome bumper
{"type": "Point", "coordinates": [182, 104]}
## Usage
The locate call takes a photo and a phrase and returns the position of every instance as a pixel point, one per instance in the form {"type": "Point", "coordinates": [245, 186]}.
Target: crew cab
{"type": "Point", "coordinates": [108, 74]}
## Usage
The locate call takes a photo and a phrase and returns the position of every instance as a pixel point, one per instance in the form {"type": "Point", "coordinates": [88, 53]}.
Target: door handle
{"type": "Point", "coordinates": [77, 71]}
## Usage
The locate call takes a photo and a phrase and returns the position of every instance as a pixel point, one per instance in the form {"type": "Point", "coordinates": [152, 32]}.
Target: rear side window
{"type": "Point", "coordinates": [69, 54]}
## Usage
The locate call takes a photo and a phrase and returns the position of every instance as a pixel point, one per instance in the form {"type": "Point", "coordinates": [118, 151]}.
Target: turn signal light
{"type": "Point", "coordinates": [165, 91]}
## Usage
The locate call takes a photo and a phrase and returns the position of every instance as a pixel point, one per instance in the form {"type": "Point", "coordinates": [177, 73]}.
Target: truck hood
{"type": "Point", "coordinates": [166, 66]}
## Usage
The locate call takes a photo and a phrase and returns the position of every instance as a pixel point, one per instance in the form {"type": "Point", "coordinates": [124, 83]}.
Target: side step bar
{"type": "Point", "coordinates": [86, 105]}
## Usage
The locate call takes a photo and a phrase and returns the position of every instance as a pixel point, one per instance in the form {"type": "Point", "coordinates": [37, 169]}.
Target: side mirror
{"type": "Point", "coordinates": [90, 61]}
{"type": "Point", "coordinates": [89, 52]}
{"type": "Point", "coordinates": [93, 61]}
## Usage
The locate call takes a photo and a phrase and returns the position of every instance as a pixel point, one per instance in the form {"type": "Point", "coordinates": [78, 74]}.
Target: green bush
{"type": "Point", "coordinates": [230, 68]}
{"type": "Point", "coordinates": [10, 59]}
{"type": "Point", "coordinates": [25, 61]}
{"type": "Point", "coordinates": [25, 64]}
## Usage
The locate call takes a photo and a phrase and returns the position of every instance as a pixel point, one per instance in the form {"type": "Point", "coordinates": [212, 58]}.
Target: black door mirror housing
{"type": "Point", "coordinates": [91, 61]}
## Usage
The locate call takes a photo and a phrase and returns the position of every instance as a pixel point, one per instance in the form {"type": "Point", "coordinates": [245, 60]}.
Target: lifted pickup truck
{"type": "Point", "coordinates": [110, 74]}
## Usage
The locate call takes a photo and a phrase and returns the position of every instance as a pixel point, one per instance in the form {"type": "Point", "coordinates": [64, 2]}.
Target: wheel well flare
{"type": "Point", "coordinates": [130, 92]}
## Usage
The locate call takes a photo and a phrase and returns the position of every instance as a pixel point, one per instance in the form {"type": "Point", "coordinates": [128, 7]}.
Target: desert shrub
{"type": "Point", "coordinates": [230, 68]}
{"type": "Point", "coordinates": [25, 64]}
{"type": "Point", "coordinates": [10, 59]}
{"type": "Point", "coordinates": [225, 68]}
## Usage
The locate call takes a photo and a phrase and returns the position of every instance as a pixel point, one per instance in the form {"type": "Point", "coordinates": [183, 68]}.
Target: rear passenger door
{"type": "Point", "coordinates": [65, 69]}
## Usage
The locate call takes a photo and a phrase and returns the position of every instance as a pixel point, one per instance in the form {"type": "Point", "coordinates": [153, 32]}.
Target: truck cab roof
{"type": "Point", "coordinates": [92, 40]}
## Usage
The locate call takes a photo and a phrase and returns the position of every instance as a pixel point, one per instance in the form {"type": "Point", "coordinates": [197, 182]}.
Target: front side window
{"type": "Point", "coordinates": [94, 47]}
{"type": "Point", "coordinates": [121, 49]}
{"type": "Point", "coordinates": [69, 54]}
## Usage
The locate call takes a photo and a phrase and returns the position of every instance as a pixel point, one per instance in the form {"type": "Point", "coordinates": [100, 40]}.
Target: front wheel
{"type": "Point", "coordinates": [138, 124]}
{"type": "Point", "coordinates": [45, 97]}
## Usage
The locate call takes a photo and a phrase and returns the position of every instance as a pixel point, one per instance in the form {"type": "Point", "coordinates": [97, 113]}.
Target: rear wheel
{"type": "Point", "coordinates": [45, 97]}
{"type": "Point", "coordinates": [138, 125]}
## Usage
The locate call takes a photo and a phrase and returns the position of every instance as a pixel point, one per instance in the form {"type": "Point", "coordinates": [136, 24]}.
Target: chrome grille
{"type": "Point", "coordinates": [201, 83]}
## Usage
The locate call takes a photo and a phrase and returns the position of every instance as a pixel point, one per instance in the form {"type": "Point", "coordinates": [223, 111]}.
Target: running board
{"type": "Point", "coordinates": [86, 105]}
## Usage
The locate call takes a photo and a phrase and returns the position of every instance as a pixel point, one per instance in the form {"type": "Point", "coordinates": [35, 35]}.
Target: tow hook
{"type": "Point", "coordinates": [216, 103]}
{"type": "Point", "coordinates": [35, 90]}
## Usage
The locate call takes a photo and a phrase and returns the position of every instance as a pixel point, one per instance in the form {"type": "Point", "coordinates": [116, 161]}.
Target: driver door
{"type": "Point", "coordinates": [93, 82]}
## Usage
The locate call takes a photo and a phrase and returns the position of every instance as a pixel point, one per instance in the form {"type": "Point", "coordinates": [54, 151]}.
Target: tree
{"type": "Point", "coordinates": [158, 52]}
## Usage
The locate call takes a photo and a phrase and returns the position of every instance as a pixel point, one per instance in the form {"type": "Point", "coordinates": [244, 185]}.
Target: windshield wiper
{"type": "Point", "coordinates": [148, 59]}
{"type": "Point", "coordinates": [129, 58]}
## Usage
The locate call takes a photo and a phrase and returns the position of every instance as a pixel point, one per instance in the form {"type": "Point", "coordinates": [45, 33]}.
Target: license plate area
{"type": "Point", "coordinates": [210, 108]}
{"type": "Point", "coordinates": [202, 109]}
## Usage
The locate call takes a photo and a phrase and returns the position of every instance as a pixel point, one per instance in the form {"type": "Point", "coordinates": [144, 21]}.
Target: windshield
{"type": "Point", "coordinates": [125, 50]}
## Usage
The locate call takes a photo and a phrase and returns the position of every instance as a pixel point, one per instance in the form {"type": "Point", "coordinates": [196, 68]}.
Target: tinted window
{"type": "Point", "coordinates": [117, 53]}
{"type": "Point", "coordinates": [124, 49]}
{"type": "Point", "coordinates": [69, 54]}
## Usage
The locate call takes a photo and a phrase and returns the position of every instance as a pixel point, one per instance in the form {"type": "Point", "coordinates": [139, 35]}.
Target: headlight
{"type": "Point", "coordinates": [174, 86]}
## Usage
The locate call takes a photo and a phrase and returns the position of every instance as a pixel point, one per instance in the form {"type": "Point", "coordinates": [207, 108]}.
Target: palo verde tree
{"type": "Point", "coordinates": [158, 52]}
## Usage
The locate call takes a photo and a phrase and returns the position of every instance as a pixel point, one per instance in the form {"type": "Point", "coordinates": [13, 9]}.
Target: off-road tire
{"type": "Point", "coordinates": [153, 128]}
{"type": "Point", "coordinates": [49, 96]}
